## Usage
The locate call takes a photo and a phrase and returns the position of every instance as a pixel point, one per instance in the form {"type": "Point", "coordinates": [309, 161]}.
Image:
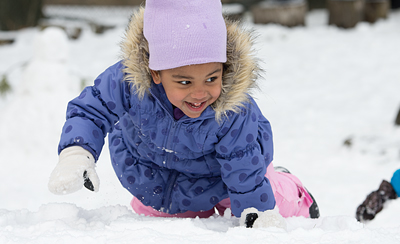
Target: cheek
{"type": "Point", "coordinates": [175, 96]}
{"type": "Point", "coordinates": [216, 92]}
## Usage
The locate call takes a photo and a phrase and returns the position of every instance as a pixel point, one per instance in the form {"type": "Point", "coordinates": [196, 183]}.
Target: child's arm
{"type": "Point", "coordinates": [90, 117]}
{"type": "Point", "coordinates": [95, 112]}
{"type": "Point", "coordinates": [244, 152]}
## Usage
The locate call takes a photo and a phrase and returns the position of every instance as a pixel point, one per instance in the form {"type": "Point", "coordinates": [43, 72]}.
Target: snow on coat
{"type": "Point", "coordinates": [177, 165]}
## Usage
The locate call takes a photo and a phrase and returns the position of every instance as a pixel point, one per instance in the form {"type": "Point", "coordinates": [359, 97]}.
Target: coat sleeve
{"type": "Point", "coordinates": [96, 111]}
{"type": "Point", "coordinates": [244, 151]}
{"type": "Point", "coordinates": [395, 181]}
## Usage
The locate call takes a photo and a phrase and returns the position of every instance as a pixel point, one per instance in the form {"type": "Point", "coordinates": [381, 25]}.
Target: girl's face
{"type": "Point", "coordinates": [191, 88]}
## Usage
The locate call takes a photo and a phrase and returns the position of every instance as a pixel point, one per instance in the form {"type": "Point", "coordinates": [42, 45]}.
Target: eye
{"type": "Point", "coordinates": [184, 82]}
{"type": "Point", "coordinates": [211, 79]}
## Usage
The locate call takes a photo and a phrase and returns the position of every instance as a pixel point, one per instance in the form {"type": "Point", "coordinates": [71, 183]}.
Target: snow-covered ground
{"type": "Point", "coordinates": [322, 85]}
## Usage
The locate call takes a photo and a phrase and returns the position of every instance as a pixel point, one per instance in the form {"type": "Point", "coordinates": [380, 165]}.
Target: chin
{"type": "Point", "coordinates": [193, 116]}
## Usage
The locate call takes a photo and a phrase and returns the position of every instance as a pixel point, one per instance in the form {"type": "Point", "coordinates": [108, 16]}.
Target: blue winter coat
{"type": "Point", "coordinates": [176, 165]}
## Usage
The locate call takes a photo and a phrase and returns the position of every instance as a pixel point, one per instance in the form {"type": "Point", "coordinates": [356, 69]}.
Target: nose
{"type": "Point", "coordinates": [199, 92]}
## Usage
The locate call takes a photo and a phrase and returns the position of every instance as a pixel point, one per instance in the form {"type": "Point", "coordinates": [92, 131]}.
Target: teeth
{"type": "Point", "coordinates": [195, 105]}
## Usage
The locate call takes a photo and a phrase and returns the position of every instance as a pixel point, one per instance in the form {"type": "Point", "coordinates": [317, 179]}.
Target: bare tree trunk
{"type": "Point", "coordinates": [376, 9]}
{"type": "Point", "coordinates": [286, 13]}
{"type": "Point", "coordinates": [345, 13]}
{"type": "Point", "coordinates": [397, 121]}
{"type": "Point", "coordinates": [395, 4]}
{"type": "Point", "coordinates": [316, 4]}
{"type": "Point", "coordinates": [17, 14]}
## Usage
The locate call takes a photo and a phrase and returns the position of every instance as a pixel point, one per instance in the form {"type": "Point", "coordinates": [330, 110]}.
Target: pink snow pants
{"type": "Point", "coordinates": [291, 198]}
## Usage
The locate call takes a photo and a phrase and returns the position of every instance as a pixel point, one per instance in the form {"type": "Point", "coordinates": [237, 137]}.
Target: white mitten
{"type": "Point", "coordinates": [75, 169]}
{"type": "Point", "coordinates": [251, 217]}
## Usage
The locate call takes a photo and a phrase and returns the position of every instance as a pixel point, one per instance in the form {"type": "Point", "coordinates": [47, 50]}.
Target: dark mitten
{"type": "Point", "coordinates": [373, 204]}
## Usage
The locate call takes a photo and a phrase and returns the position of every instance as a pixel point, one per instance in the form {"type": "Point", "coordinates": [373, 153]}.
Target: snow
{"type": "Point", "coordinates": [232, 8]}
{"type": "Point", "coordinates": [322, 86]}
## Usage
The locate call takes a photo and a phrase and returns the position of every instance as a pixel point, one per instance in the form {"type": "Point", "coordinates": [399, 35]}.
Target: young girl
{"type": "Point", "coordinates": [185, 137]}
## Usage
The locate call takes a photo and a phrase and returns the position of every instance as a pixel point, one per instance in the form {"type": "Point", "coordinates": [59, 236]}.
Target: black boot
{"type": "Point", "coordinates": [314, 209]}
{"type": "Point", "coordinates": [281, 169]}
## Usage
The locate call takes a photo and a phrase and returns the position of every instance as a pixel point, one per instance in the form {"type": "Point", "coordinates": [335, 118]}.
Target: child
{"type": "Point", "coordinates": [374, 202]}
{"type": "Point", "coordinates": [184, 135]}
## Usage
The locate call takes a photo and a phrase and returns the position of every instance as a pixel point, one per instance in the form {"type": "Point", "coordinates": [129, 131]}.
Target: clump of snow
{"type": "Point", "coordinates": [270, 218]}
{"type": "Point", "coordinates": [52, 45]}
{"type": "Point", "coordinates": [233, 8]}
{"type": "Point", "coordinates": [98, 14]}
{"type": "Point", "coordinates": [322, 86]}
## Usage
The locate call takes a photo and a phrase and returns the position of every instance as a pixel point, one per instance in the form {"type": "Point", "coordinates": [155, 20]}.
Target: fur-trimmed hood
{"type": "Point", "coordinates": [240, 71]}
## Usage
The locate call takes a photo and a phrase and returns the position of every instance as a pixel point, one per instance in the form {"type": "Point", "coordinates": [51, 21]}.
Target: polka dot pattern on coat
{"type": "Point", "coordinates": [68, 129]}
{"type": "Point", "coordinates": [214, 200]}
{"type": "Point", "coordinates": [186, 202]}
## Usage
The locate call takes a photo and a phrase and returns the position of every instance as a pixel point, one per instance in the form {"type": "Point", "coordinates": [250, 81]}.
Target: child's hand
{"type": "Point", "coordinates": [251, 217]}
{"type": "Point", "coordinates": [75, 169]}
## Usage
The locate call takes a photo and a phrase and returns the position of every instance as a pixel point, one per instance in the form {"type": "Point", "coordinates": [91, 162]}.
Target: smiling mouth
{"type": "Point", "coordinates": [195, 105]}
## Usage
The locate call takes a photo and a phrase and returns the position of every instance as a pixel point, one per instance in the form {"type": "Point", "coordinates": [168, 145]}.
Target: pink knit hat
{"type": "Point", "coordinates": [184, 32]}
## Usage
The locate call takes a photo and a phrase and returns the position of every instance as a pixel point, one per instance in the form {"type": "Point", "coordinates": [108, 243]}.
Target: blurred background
{"type": "Point", "coordinates": [17, 14]}
{"type": "Point", "coordinates": [98, 16]}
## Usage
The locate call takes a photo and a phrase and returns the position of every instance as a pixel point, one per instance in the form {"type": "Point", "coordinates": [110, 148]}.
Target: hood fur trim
{"type": "Point", "coordinates": [240, 71]}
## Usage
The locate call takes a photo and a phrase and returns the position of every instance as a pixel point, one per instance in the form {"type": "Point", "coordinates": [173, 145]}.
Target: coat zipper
{"type": "Point", "coordinates": [174, 174]}
{"type": "Point", "coordinates": [168, 191]}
